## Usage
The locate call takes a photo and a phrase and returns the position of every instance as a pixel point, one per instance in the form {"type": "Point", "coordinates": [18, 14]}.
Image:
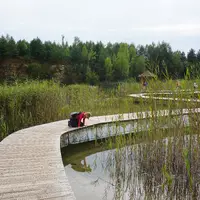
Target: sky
{"type": "Point", "coordinates": [133, 21]}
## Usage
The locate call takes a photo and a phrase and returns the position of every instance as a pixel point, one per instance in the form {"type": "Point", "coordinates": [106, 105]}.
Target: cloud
{"type": "Point", "coordinates": [177, 29]}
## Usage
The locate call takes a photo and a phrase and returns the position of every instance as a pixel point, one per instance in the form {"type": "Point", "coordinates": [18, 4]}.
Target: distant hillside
{"type": "Point", "coordinates": [90, 62]}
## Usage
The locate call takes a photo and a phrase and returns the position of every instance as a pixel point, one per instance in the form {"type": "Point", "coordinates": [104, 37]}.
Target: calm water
{"type": "Point", "coordinates": [158, 168]}
{"type": "Point", "coordinates": [91, 184]}
{"type": "Point", "coordinates": [94, 176]}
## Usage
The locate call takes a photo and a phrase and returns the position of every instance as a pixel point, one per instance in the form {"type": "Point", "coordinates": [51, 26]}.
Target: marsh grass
{"type": "Point", "coordinates": [162, 162]}
{"type": "Point", "coordinates": [142, 167]}
{"type": "Point", "coordinates": [146, 165]}
{"type": "Point", "coordinates": [31, 103]}
{"type": "Point", "coordinates": [27, 104]}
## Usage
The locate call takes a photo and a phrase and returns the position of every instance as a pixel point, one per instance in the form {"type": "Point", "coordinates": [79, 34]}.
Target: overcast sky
{"type": "Point", "coordinates": [132, 21]}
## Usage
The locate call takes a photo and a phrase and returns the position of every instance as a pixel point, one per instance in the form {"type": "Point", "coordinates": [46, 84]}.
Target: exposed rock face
{"type": "Point", "coordinates": [17, 68]}
{"type": "Point", "coordinates": [13, 68]}
{"type": "Point", "coordinates": [57, 72]}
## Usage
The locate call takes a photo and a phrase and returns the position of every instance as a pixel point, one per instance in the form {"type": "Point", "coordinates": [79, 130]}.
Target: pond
{"type": "Point", "coordinates": [128, 167]}
{"type": "Point", "coordinates": [89, 169]}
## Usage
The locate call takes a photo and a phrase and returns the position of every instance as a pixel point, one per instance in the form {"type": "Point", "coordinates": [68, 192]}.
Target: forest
{"type": "Point", "coordinates": [90, 62]}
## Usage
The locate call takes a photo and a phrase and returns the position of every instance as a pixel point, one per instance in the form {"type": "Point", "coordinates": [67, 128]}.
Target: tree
{"type": "Point", "coordinates": [91, 58]}
{"type": "Point", "coordinates": [77, 41]}
{"type": "Point", "coordinates": [152, 54]}
{"type": "Point", "coordinates": [108, 69]}
{"type": "Point", "coordinates": [3, 46]}
{"type": "Point", "coordinates": [191, 56]}
{"type": "Point", "coordinates": [98, 63]}
{"type": "Point", "coordinates": [183, 57]}
{"type": "Point", "coordinates": [66, 54]}
{"type": "Point", "coordinates": [198, 56]}
{"type": "Point", "coordinates": [93, 62]}
{"type": "Point", "coordinates": [84, 54]}
{"type": "Point", "coordinates": [178, 67]}
{"type": "Point", "coordinates": [57, 53]}
{"type": "Point", "coordinates": [132, 52]}
{"type": "Point", "coordinates": [48, 50]}
{"type": "Point", "coordinates": [23, 48]}
{"type": "Point", "coordinates": [11, 47]}
{"type": "Point", "coordinates": [114, 59]}
{"type": "Point", "coordinates": [37, 49]}
{"type": "Point", "coordinates": [75, 51]}
{"type": "Point", "coordinates": [140, 65]}
{"type": "Point", "coordinates": [115, 48]}
{"type": "Point", "coordinates": [137, 66]}
{"type": "Point", "coordinates": [121, 69]}
{"type": "Point", "coordinates": [141, 50]}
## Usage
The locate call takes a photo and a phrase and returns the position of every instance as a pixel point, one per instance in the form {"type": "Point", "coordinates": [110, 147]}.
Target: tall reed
{"type": "Point", "coordinates": [27, 104]}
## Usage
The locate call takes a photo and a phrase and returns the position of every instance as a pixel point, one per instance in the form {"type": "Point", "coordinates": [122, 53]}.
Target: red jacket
{"type": "Point", "coordinates": [80, 117]}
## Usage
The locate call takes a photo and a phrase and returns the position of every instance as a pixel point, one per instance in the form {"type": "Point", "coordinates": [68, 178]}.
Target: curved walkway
{"type": "Point", "coordinates": [151, 96]}
{"type": "Point", "coordinates": [30, 159]}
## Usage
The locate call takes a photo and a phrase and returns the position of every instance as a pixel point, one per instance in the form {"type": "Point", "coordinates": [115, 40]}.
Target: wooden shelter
{"type": "Point", "coordinates": [145, 76]}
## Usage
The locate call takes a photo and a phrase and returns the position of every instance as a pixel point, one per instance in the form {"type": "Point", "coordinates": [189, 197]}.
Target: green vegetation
{"type": "Point", "coordinates": [27, 104]}
{"type": "Point", "coordinates": [74, 153]}
{"type": "Point", "coordinates": [162, 163]}
{"type": "Point", "coordinates": [31, 103]}
{"type": "Point", "coordinates": [164, 167]}
{"type": "Point", "coordinates": [36, 88]}
{"type": "Point", "coordinates": [89, 62]}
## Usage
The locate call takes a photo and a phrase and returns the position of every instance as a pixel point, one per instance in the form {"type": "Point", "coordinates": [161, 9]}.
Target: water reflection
{"type": "Point", "coordinates": [155, 169]}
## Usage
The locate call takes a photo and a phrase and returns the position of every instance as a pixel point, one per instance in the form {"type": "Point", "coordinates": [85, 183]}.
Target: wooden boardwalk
{"type": "Point", "coordinates": [30, 159]}
{"type": "Point", "coordinates": [152, 97]}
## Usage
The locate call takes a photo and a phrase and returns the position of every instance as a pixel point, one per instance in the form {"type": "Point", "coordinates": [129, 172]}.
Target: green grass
{"type": "Point", "coordinates": [33, 102]}
{"type": "Point", "coordinates": [28, 104]}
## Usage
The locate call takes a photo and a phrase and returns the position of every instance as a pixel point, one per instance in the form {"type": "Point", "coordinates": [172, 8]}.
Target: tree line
{"type": "Point", "coordinates": [89, 62]}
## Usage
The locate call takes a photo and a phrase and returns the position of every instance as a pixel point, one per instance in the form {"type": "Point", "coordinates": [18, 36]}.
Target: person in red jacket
{"type": "Point", "coordinates": [81, 118]}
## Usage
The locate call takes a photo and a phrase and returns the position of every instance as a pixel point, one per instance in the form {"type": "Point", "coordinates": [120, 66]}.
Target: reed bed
{"type": "Point", "coordinates": [34, 102]}
{"type": "Point", "coordinates": [163, 161]}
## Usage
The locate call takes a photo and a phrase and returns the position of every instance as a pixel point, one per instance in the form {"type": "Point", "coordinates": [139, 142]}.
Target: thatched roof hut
{"type": "Point", "coordinates": [147, 74]}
